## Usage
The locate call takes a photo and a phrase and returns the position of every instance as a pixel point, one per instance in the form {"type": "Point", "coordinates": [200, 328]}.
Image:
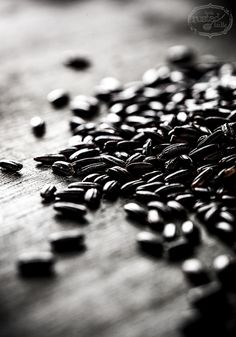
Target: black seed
{"type": "Point", "coordinates": [62, 168]}
{"type": "Point", "coordinates": [91, 177]}
{"type": "Point", "coordinates": [170, 232]}
{"type": "Point", "coordinates": [180, 55]}
{"type": "Point", "coordinates": [92, 168]}
{"type": "Point", "coordinates": [49, 159]}
{"type": "Point", "coordinates": [171, 188]}
{"type": "Point", "coordinates": [70, 209]}
{"type": "Point", "coordinates": [149, 186]}
{"type": "Point", "coordinates": [102, 179]}
{"type": "Point", "coordinates": [111, 160]}
{"type": "Point", "coordinates": [155, 220]}
{"type": "Point", "coordinates": [139, 168]}
{"type": "Point", "coordinates": [127, 145]}
{"type": "Point", "coordinates": [78, 164]}
{"type": "Point", "coordinates": [67, 241]}
{"type": "Point", "coordinates": [10, 165]}
{"type": "Point", "coordinates": [148, 176]}
{"type": "Point", "coordinates": [58, 98]}
{"type": "Point", "coordinates": [179, 250]}
{"type": "Point", "coordinates": [191, 232]}
{"type": "Point", "coordinates": [145, 196]}
{"type": "Point", "coordinates": [130, 187]}
{"type": "Point", "coordinates": [119, 173]}
{"type": "Point", "coordinates": [48, 192]}
{"type": "Point", "coordinates": [38, 126]}
{"type": "Point", "coordinates": [35, 264]}
{"type": "Point", "coordinates": [225, 231]}
{"type": "Point", "coordinates": [71, 195]}
{"type": "Point", "coordinates": [150, 244]}
{"type": "Point", "coordinates": [179, 176]}
{"type": "Point", "coordinates": [187, 200]}
{"type": "Point", "coordinates": [225, 269]}
{"type": "Point", "coordinates": [76, 121]}
{"type": "Point", "coordinates": [136, 211]}
{"type": "Point", "coordinates": [176, 209]}
{"type": "Point", "coordinates": [84, 185]}
{"type": "Point", "coordinates": [111, 189]}
{"type": "Point", "coordinates": [159, 177]}
{"type": "Point", "coordinates": [84, 106]}
{"type": "Point", "coordinates": [84, 153]}
{"type": "Point", "coordinates": [195, 272]}
{"type": "Point", "coordinates": [76, 61]}
{"type": "Point", "coordinates": [174, 150]}
{"type": "Point", "coordinates": [68, 151]}
{"type": "Point", "coordinates": [92, 197]}
{"type": "Point", "coordinates": [136, 157]}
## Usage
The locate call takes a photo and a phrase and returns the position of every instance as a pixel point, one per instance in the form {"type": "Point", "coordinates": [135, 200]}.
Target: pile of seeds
{"type": "Point", "coordinates": [168, 145]}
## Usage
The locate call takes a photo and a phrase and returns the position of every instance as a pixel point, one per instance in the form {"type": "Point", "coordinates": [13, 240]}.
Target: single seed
{"type": "Point", "coordinates": [59, 98]}
{"type": "Point", "coordinates": [67, 241]}
{"type": "Point", "coordinates": [70, 209]}
{"type": "Point", "coordinates": [35, 264]}
{"type": "Point", "coordinates": [150, 244]}
{"type": "Point", "coordinates": [48, 192]}
{"type": "Point", "coordinates": [10, 165]}
{"type": "Point", "coordinates": [38, 126]}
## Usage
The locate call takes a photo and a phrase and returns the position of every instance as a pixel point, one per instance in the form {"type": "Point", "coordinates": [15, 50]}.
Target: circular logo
{"type": "Point", "coordinates": [210, 20]}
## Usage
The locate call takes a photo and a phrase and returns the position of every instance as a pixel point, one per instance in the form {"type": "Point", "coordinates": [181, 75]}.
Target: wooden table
{"type": "Point", "coordinates": [110, 290]}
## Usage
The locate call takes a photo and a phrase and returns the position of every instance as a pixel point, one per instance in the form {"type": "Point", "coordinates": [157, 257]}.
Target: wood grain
{"type": "Point", "coordinates": [110, 290]}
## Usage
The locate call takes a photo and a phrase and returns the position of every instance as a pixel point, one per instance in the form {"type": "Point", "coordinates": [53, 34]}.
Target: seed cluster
{"type": "Point", "coordinates": [167, 144]}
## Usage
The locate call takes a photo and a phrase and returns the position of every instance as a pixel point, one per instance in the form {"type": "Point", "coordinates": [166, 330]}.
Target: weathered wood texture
{"type": "Point", "coordinates": [110, 290]}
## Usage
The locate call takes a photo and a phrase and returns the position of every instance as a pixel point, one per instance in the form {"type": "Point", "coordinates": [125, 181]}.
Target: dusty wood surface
{"type": "Point", "coordinates": [110, 290]}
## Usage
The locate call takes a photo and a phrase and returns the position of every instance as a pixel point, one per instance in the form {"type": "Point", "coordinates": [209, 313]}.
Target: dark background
{"type": "Point", "coordinates": [110, 290]}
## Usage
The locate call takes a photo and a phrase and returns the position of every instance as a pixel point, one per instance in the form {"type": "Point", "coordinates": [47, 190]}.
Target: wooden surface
{"type": "Point", "coordinates": [110, 290]}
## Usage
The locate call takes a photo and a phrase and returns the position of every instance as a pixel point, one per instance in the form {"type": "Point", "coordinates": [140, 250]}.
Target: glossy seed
{"type": "Point", "coordinates": [76, 61]}
{"type": "Point", "coordinates": [48, 192]}
{"type": "Point", "coordinates": [67, 241]}
{"type": "Point", "coordinates": [178, 250]}
{"type": "Point", "coordinates": [59, 98]}
{"type": "Point", "coordinates": [62, 168]}
{"type": "Point", "coordinates": [155, 221]}
{"type": "Point", "coordinates": [92, 197]}
{"type": "Point", "coordinates": [71, 195]}
{"type": "Point", "coordinates": [225, 268]}
{"type": "Point", "coordinates": [190, 231]}
{"type": "Point", "coordinates": [10, 165]}
{"type": "Point", "coordinates": [35, 264]}
{"type": "Point", "coordinates": [150, 244]}
{"type": "Point", "coordinates": [49, 159]}
{"type": "Point", "coordinates": [111, 189]}
{"type": "Point", "coordinates": [38, 126]}
{"type": "Point", "coordinates": [70, 209]}
{"type": "Point", "coordinates": [195, 272]}
{"type": "Point", "coordinates": [136, 211]}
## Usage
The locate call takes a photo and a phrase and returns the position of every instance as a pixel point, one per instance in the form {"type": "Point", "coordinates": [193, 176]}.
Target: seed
{"type": "Point", "coordinates": [84, 106]}
{"type": "Point", "coordinates": [191, 232]}
{"type": "Point", "coordinates": [111, 160]}
{"type": "Point", "coordinates": [102, 179]}
{"type": "Point", "coordinates": [174, 150]}
{"type": "Point", "coordinates": [150, 244]}
{"type": "Point", "coordinates": [180, 55]}
{"type": "Point", "coordinates": [78, 164]}
{"type": "Point", "coordinates": [67, 241]}
{"type": "Point", "coordinates": [88, 169]}
{"type": "Point", "coordinates": [195, 273]}
{"type": "Point", "coordinates": [68, 151]}
{"type": "Point", "coordinates": [225, 269]}
{"type": "Point", "coordinates": [155, 220]}
{"type": "Point", "coordinates": [145, 196]}
{"type": "Point", "coordinates": [92, 197]}
{"type": "Point", "coordinates": [62, 168]}
{"type": "Point", "coordinates": [76, 61]}
{"type": "Point", "coordinates": [84, 153]}
{"type": "Point", "coordinates": [139, 168]}
{"type": "Point", "coordinates": [179, 176]}
{"type": "Point", "coordinates": [48, 192]}
{"type": "Point", "coordinates": [187, 200]}
{"type": "Point", "coordinates": [70, 209]}
{"type": "Point", "coordinates": [111, 189]}
{"type": "Point", "coordinates": [136, 211]}
{"type": "Point", "coordinates": [49, 159]}
{"type": "Point", "coordinates": [130, 187]}
{"type": "Point", "coordinates": [10, 165]}
{"type": "Point", "coordinates": [71, 195]}
{"type": "Point", "coordinates": [170, 232]}
{"type": "Point", "coordinates": [178, 250]}
{"type": "Point", "coordinates": [119, 173]}
{"type": "Point", "coordinates": [84, 185]}
{"type": "Point", "coordinates": [176, 209]}
{"type": "Point", "coordinates": [59, 98]}
{"type": "Point", "coordinates": [170, 188]}
{"type": "Point", "coordinates": [91, 177]}
{"type": "Point", "coordinates": [38, 126]}
{"type": "Point", "coordinates": [225, 231]}
{"type": "Point", "coordinates": [35, 264]}
{"type": "Point", "coordinates": [75, 122]}
{"type": "Point", "coordinates": [149, 186]}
